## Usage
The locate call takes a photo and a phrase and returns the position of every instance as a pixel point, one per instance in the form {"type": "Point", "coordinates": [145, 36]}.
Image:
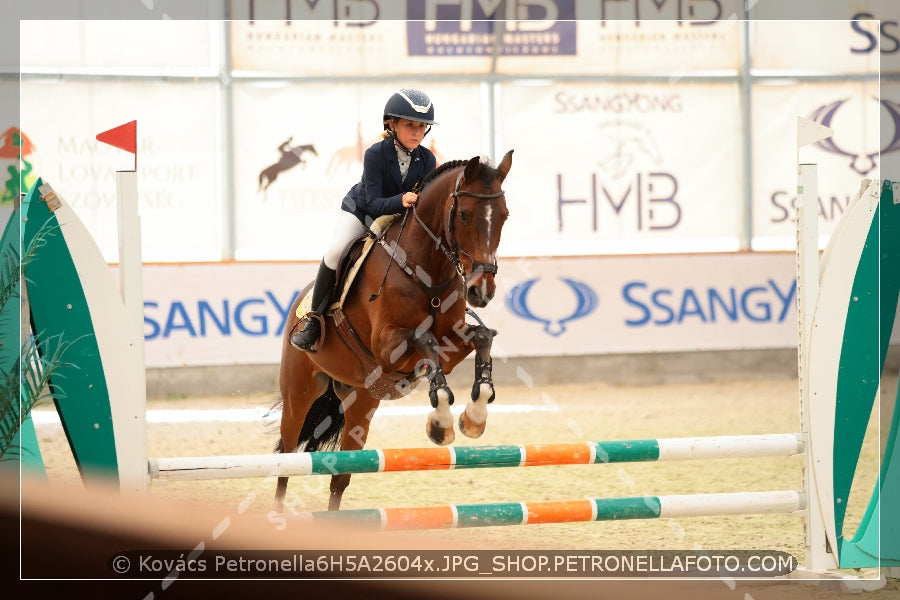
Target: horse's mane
{"type": "Point", "coordinates": [487, 173]}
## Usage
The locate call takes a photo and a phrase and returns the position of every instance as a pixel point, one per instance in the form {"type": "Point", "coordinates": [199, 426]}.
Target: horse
{"type": "Point", "coordinates": [348, 156]}
{"type": "Point", "coordinates": [290, 156]}
{"type": "Point", "coordinates": [402, 320]}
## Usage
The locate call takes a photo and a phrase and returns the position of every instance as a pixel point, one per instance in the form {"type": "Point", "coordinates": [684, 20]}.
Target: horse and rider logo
{"type": "Point", "coordinates": [622, 144]}
{"type": "Point", "coordinates": [861, 162]}
{"type": "Point", "coordinates": [291, 156]}
{"type": "Point", "coordinates": [343, 160]}
{"type": "Point", "coordinates": [586, 302]}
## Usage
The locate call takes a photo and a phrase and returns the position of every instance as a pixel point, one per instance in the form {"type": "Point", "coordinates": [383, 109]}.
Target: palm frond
{"type": "Point", "coordinates": [27, 385]}
{"type": "Point", "coordinates": [11, 267]}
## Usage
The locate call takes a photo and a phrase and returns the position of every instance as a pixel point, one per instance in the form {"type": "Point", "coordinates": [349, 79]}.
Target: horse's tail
{"type": "Point", "coordinates": [323, 425]}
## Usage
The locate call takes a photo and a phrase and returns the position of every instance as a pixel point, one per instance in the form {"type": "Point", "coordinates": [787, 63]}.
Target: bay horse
{"type": "Point", "coordinates": [402, 320]}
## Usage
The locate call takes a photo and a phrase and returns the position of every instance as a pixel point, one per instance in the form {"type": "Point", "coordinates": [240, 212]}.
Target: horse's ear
{"type": "Point", "coordinates": [472, 168]}
{"type": "Point", "coordinates": [503, 167]}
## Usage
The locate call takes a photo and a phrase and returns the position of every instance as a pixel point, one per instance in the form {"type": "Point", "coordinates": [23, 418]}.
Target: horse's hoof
{"type": "Point", "coordinates": [442, 436]}
{"type": "Point", "coordinates": [469, 428]}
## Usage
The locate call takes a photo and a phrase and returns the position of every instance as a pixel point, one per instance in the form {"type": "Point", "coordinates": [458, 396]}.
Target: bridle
{"type": "Point", "coordinates": [453, 252]}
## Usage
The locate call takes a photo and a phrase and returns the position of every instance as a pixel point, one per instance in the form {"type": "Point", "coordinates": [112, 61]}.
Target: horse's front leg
{"type": "Point", "coordinates": [473, 420]}
{"type": "Point", "coordinates": [439, 425]}
{"type": "Point", "coordinates": [396, 345]}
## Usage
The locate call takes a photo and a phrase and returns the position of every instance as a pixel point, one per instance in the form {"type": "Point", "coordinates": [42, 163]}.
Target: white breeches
{"type": "Point", "coordinates": [347, 229]}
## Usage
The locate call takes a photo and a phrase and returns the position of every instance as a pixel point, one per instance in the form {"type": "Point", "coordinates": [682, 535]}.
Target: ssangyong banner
{"type": "Point", "coordinates": [846, 36]}
{"type": "Point", "coordinates": [667, 303]}
{"type": "Point", "coordinates": [180, 183]}
{"type": "Point", "coordinates": [621, 168]}
{"type": "Point", "coordinates": [218, 314]}
{"type": "Point", "coordinates": [224, 314]}
{"type": "Point", "coordinates": [851, 47]}
{"type": "Point", "coordinates": [844, 160]}
{"type": "Point", "coordinates": [299, 148]}
{"type": "Point", "coordinates": [890, 130]}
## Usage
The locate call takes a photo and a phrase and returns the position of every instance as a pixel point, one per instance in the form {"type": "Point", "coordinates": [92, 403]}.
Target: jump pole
{"type": "Point", "coordinates": [455, 516]}
{"type": "Point", "coordinates": [470, 457]}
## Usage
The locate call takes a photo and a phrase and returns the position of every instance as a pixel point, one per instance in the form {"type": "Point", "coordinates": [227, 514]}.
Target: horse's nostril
{"type": "Point", "coordinates": [476, 297]}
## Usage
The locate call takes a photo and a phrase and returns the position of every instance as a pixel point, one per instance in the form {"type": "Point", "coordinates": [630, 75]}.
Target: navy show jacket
{"type": "Point", "coordinates": [380, 190]}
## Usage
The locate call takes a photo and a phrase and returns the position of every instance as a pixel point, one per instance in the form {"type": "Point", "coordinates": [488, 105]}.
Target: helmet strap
{"type": "Point", "coordinates": [396, 139]}
{"type": "Point", "coordinates": [399, 143]}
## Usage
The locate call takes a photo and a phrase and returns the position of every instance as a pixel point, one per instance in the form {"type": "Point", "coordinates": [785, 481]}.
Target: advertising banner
{"type": "Point", "coordinates": [329, 48]}
{"type": "Point", "coordinates": [219, 314]}
{"type": "Point", "coordinates": [17, 152]}
{"type": "Point", "coordinates": [374, 37]}
{"type": "Point", "coordinates": [846, 36]}
{"type": "Point", "coordinates": [526, 29]}
{"type": "Point", "coordinates": [852, 154]}
{"type": "Point", "coordinates": [672, 48]}
{"type": "Point", "coordinates": [661, 303]}
{"type": "Point", "coordinates": [849, 47]}
{"type": "Point", "coordinates": [299, 148]}
{"type": "Point", "coordinates": [235, 313]}
{"type": "Point", "coordinates": [178, 152]}
{"type": "Point", "coordinates": [348, 39]}
{"type": "Point", "coordinates": [115, 46]}
{"type": "Point", "coordinates": [617, 168]}
{"type": "Point", "coordinates": [890, 129]}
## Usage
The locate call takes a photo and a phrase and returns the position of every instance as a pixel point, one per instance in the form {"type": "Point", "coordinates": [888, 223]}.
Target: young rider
{"type": "Point", "coordinates": [391, 169]}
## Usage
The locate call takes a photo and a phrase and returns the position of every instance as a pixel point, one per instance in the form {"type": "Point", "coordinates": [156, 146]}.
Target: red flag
{"type": "Point", "coordinates": [123, 136]}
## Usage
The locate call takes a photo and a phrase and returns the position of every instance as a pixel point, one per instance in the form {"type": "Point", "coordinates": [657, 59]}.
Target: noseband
{"type": "Point", "coordinates": [453, 252]}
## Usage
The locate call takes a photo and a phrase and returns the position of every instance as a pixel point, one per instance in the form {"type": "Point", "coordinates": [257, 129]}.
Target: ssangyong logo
{"type": "Point", "coordinates": [860, 161]}
{"type": "Point", "coordinates": [517, 301]}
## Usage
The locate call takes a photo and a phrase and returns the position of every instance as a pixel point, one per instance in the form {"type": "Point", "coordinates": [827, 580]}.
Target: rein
{"type": "Point", "coordinates": [435, 292]}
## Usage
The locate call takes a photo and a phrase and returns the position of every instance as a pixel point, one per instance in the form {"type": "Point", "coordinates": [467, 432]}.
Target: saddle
{"type": "Point", "coordinates": [348, 268]}
{"type": "Point", "coordinates": [353, 258]}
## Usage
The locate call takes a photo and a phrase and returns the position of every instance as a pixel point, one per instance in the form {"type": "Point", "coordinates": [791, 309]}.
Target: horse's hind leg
{"type": "Point", "coordinates": [473, 420]}
{"type": "Point", "coordinates": [297, 398]}
{"type": "Point", "coordinates": [359, 406]}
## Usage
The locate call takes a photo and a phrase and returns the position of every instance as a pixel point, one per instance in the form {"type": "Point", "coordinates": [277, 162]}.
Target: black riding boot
{"type": "Point", "coordinates": [309, 334]}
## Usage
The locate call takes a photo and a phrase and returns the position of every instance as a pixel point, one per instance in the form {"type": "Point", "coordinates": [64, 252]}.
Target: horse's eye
{"type": "Point", "coordinates": [464, 216]}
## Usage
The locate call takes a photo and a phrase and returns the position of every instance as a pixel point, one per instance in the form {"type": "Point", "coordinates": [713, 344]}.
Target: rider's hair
{"type": "Point", "coordinates": [387, 132]}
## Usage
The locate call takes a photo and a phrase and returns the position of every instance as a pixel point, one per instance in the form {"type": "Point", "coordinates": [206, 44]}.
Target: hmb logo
{"type": "Point", "coordinates": [474, 27]}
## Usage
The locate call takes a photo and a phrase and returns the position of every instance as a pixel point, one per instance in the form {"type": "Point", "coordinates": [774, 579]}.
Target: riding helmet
{"type": "Point", "coordinates": [414, 105]}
